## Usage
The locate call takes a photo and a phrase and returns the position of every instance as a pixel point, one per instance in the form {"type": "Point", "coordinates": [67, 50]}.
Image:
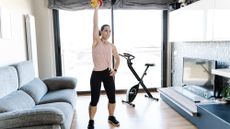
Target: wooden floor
{"type": "Point", "coordinates": [147, 114]}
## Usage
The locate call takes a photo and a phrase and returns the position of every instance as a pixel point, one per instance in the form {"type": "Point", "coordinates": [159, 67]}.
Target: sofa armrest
{"type": "Point", "coordinates": [57, 83]}
{"type": "Point", "coordinates": [32, 117]}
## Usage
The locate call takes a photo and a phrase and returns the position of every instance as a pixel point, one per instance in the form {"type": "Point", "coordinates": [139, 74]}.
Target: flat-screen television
{"type": "Point", "coordinates": [197, 76]}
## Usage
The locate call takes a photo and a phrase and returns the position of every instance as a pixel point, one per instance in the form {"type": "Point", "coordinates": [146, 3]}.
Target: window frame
{"type": "Point", "coordinates": [164, 50]}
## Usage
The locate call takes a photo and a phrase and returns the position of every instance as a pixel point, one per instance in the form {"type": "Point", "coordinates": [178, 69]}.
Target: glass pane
{"type": "Point", "coordinates": [139, 32]}
{"type": "Point", "coordinates": [76, 30]}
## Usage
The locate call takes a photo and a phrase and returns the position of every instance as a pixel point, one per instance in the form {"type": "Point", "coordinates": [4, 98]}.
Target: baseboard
{"type": "Point", "coordinates": [120, 91]}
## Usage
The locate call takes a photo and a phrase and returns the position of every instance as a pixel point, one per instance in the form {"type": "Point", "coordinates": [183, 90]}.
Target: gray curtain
{"type": "Point", "coordinates": [119, 4]}
{"type": "Point", "coordinates": [74, 4]}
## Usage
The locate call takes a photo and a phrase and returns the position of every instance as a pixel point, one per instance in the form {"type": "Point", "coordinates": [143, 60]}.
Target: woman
{"type": "Point", "coordinates": [102, 52]}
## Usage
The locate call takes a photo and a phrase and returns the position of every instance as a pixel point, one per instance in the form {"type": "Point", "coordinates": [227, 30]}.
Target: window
{"type": "Point", "coordinates": [140, 35]}
{"type": "Point", "coordinates": [142, 38]}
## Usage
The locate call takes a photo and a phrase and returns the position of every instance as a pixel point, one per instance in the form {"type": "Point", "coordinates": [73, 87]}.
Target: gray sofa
{"type": "Point", "coordinates": [26, 102]}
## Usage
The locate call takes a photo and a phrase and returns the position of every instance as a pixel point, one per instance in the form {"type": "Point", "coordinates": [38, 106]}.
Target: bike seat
{"type": "Point", "coordinates": [147, 64]}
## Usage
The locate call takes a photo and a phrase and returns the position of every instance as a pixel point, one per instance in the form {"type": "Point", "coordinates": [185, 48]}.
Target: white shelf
{"type": "Point", "coordinates": [221, 72]}
{"type": "Point", "coordinates": [185, 99]}
{"type": "Point", "coordinates": [180, 100]}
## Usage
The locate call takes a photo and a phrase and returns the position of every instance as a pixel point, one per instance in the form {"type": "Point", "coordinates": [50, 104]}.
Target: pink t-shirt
{"type": "Point", "coordinates": [102, 56]}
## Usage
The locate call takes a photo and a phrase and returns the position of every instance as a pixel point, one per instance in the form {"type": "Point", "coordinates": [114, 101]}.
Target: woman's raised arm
{"type": "Point", "coordinates": [96, 36]}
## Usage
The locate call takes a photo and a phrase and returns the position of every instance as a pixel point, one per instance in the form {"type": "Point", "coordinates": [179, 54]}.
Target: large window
{"type": "Point", "coordinates": [137, 32]}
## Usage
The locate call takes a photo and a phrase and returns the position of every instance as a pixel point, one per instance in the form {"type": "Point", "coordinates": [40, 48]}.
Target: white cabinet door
{"type": "Point", "coordinates": [186, 25]}
{"type": "Point", "coordinates": [221, 18]}
{"type": "Point", "coordinates": [192, 23]}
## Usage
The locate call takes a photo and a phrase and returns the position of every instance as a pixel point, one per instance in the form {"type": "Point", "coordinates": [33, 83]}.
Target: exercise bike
{"type": "Point", "coordinates": [132, 92]}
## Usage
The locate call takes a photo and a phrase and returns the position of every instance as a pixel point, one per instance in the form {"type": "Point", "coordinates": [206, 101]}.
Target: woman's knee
{"type": "Point", "coordinates": [112, 100]}
{"type": "Point", "coordinates": [93, 103]}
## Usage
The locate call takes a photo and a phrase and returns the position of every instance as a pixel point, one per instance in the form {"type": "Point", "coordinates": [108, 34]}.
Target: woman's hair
{"type": "Point", "coordinates": [102, 28]}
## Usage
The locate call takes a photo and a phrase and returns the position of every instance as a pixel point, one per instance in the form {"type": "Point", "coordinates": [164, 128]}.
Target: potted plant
{"type": "Point", "coordinates": [226, 93]}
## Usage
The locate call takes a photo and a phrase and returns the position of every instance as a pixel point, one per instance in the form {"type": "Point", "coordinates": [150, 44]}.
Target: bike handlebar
{"type": "Point", "coordinates": [127, 56]}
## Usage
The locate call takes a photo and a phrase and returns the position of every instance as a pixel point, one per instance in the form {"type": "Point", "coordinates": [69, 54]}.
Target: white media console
{"type": "Point", "coordinates": [184, 99]}
{"type": "Point", "coordinates": [204, 113]}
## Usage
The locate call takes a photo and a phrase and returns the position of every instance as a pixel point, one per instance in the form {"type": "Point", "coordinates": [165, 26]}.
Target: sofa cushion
{"type": "Point", "coordinates": [36, 89]}
{"type": "Point", "coordinates": [65, 108]}
{"type": "Point", "coordinates": [25, 71]}
{"type": "Point", "coordinates": [9, 80]}
{"type": "Point", "coordinates": [42, 127]}
{"type": "Point", "coordinates": [64, 95]}
{"type": "Point", "coordinates": [31, 117]}
{"type": "Point", "coordinates": [17, 100]}
{"type": "Point", "coordinates": [60, 82]}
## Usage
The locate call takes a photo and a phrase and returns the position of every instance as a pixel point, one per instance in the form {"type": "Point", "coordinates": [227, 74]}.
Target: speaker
{"type": "Point", "coordinates": [113, 2]}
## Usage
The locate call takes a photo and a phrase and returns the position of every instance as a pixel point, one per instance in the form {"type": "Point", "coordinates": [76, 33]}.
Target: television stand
{"type": "Point", "coordinates": [184, 102]}
{"type": "Point", "coordinates": [200, 91]}
{"type": "Point", "coordinates": [196, 97]}
{"type": "Point", "coordinates": [178, 98]}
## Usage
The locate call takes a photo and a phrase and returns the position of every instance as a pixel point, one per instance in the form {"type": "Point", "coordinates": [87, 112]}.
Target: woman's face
{"type": "Point", "coordinates": [105, 33]}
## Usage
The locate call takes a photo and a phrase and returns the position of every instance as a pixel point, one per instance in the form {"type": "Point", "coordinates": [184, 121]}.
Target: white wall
{"type": "Point", "coordinates": [44, 31]}
{"type": "Point", "coordinates": [13, 49]}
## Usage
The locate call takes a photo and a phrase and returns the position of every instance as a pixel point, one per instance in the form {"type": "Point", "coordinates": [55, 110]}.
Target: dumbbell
{"type": "Point", "coordinates": [95, 3]}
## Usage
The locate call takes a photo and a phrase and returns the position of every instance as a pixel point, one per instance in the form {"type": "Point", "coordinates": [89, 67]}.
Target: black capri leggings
{"type": "Point", "coordinates": [96, 79]}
